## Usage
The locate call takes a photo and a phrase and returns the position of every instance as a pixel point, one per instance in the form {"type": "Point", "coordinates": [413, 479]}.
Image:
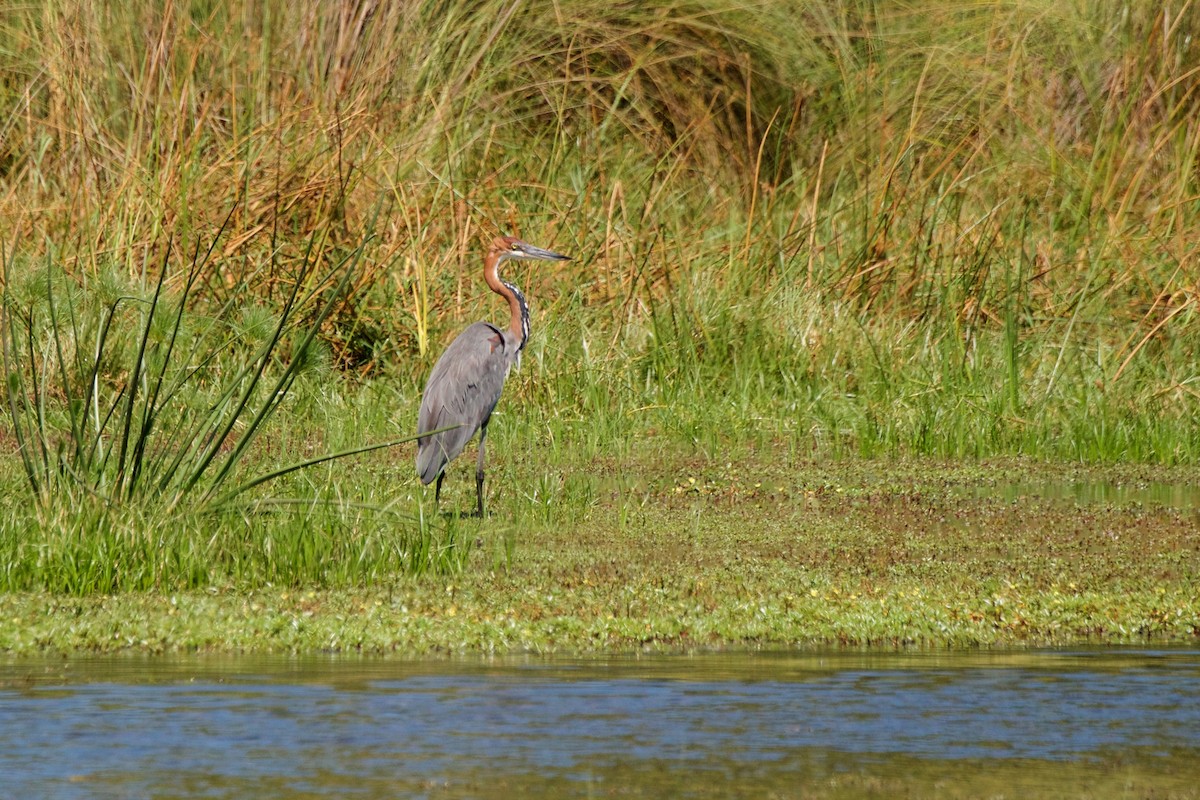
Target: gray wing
{"type": "Point", "coordinates": [463, 389]}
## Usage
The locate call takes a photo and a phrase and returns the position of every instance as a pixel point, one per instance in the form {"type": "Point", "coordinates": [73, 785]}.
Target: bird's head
{"type": "Point", "coordinates": [507, 248]}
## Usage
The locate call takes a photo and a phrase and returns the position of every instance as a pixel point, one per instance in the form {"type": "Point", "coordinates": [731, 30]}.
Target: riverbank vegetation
{"type": "Point", "coordinates": [692, 555]}
{"type": "Point", "coordinates": [236, 236]}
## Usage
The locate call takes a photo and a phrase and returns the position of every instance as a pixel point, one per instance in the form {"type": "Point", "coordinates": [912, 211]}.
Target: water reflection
{"type": "Point", "coordinates": [733, 725]}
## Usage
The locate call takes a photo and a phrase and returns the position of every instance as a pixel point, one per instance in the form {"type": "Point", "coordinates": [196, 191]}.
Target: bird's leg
{"type": "Point", "coordinates": [437, 490]}
{"type": "Point", "coordinates": [479, 473]}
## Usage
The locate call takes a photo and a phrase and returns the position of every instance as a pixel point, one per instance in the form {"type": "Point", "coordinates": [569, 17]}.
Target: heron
{"type": "Point", "coordinates": [465, 384]}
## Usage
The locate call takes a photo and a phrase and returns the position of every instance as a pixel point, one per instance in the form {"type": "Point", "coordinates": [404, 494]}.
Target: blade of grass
{"type": "Point", "coordinates": [278, 473]}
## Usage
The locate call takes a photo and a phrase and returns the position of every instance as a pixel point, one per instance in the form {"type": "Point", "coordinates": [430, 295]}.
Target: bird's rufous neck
{"type": "Point", "coordinates": [491, 274]}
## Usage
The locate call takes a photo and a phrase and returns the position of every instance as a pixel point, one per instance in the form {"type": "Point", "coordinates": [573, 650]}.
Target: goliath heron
{"type": "Point", "coordinates": [465, 384]}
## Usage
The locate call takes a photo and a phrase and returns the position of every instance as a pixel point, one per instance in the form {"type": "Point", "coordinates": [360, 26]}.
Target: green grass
{"type": "Point", "coordinates": [133, 417]}
{"type": "Point", "coordinates": [685, 554]}
{"type": "Point", "coordinates": [863, 230]}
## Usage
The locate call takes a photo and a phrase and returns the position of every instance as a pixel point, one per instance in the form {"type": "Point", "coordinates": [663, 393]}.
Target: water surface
{"type": "Point", "coordinates": [1047, 723]}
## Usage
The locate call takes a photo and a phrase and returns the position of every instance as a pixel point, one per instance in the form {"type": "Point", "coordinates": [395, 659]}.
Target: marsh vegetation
{"type": "Point", "coordinates": [236, 235]}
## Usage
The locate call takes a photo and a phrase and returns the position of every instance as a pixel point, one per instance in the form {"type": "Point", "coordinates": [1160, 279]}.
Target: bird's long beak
{"type": "Point", "coordinates": [546, 255]}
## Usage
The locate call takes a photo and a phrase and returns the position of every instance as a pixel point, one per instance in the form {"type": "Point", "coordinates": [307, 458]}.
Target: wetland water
{"type": "Point", "coordinates": [1094, 723]}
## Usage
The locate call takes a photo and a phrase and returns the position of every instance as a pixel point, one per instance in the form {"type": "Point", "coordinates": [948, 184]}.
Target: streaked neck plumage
{"type": "Point", "coordinates": [519, 309]}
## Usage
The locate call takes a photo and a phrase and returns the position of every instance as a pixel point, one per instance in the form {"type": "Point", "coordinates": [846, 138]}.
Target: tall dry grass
{"type": "Point", "coordinates": [1022, 169]}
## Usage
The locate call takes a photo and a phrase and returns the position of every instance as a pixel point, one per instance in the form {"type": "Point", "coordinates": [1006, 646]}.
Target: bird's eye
{"type": "Point", "coordinates": [516, 248]}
